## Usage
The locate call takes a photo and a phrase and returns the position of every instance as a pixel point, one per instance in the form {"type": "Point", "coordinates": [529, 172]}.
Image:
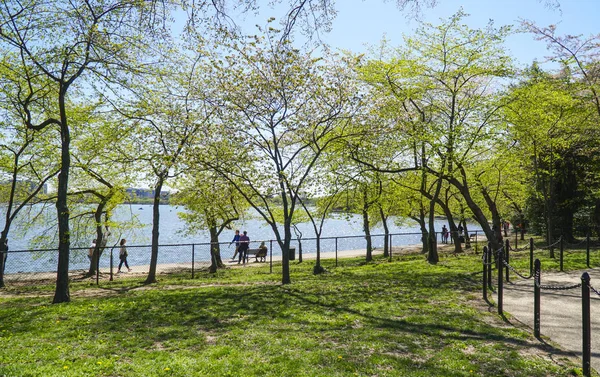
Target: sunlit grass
{"type": "Point", "coordinates": [399, 318]}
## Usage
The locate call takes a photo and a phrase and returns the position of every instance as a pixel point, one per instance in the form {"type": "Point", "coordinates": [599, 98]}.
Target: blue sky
{"type": "Point", "coordinates": [365, 22]}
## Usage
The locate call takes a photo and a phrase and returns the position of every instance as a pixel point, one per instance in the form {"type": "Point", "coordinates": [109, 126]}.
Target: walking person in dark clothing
{"type": "Point", "coordinates": [235, 239]}
{"type": "Point", "coordinates": [244, 242]}
{"type": "Point", "coordinates": [123, 256]}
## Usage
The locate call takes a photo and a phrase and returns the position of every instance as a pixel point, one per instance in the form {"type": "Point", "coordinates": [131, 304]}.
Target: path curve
{"type": "Point", "coordinates": [560, 311]}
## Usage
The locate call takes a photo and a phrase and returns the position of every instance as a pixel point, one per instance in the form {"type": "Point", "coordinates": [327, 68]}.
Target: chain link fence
{"type": "Point", "coordinates": [34, 266]}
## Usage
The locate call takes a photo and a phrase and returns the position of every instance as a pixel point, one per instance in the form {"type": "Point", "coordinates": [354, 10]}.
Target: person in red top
{"type": "Point", "coordinates": [244, 242]}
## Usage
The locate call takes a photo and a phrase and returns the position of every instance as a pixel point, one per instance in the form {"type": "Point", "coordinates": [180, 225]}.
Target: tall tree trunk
{"type": "Point", "coordinates": [455, 236]}
{"type": "Point", "coordinates": [478, 214]}
{"type": "Point", "coordinates": [386, 231]}
{"type": "Point", "coordinates": [61, 294]}
{"type": "Point", "coordinates": [366, 225]}
{"type": "Point", "coordinates": [155, 231]}
{"type": "Point", "coordinates": [318, 269]}
{"type": "Point", "coordinates": [467, 237]}
{"type": "Point", "coordinates": [2, 255]}
{"type": "Point", "coordinates": [432, 256]}
{"type": "Point", "coordinates": [99, 238]}
{"type": "Point", "coordinates": [215, 250]}
{"type": "Point", "coordinates": [423, 227]}
{"type": "Point", "coordinates": [287, 236]}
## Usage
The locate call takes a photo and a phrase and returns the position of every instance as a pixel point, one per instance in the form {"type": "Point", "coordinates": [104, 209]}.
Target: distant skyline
{"type": "Point", "coordinates": [362, 23]}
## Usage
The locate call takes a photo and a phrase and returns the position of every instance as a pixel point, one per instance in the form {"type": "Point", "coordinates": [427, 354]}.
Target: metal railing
{"type": "Point", "coordinates": [40, 264]}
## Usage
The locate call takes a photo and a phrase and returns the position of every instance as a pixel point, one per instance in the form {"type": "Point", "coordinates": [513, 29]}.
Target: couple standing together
{"type": "Point", "coordinates": [241, 245]}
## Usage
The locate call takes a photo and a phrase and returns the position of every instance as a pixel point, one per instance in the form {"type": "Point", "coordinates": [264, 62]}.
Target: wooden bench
{"type": "Point", "coordinates": [258, 253]}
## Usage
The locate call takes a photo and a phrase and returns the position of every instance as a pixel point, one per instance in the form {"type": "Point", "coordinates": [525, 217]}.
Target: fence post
{"type": "Point", "coordinates": [485, 273]}
{"type": "Point", "coordinates": [193, 257]}
{"type": "Point", "coordinates": [587, 250]}
{"type": "Point", "coordinates": [500, 281]}
{"type": "Point", "coordinates": [271, 257]}
{"type": "Point", "coordinates": [391, 237]}
{"type": "Point", "coordinates": [475, 242]}
{"type": "Point", "coordinates": [507, 248]}
{"type": "Point", "coordinates": [530, 256]}
{"type": "Point", "coordinates": [516, 239]}
{"type": "Point", "coordinates": [536, 298]}
{"type": "Point", "coordinates": [111, 264]}
{"type": "Point", "coordinates": [336, 251]}
{"type": "Point", "coordinates": [562, 248]}
{"type": "Point", "coordinates": [585, 315]}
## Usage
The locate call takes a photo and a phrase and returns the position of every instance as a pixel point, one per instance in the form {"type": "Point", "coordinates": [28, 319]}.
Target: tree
{"type": "Point", "coordinates": [282, 109]}
{"type": "Point", "coordinates": [211, 203]}
{"type": "Point", "coordinates": [58, 43]}
{"type": "Point", "coordinates": [170, 111]}
{"type": "Point", "coordinates": [445, 76]}
{"type": "Point", "coordinates": [27, 159]}
{"type": "Point", "coordinates": [580, 73]}
{"type": "Point", "coordinates": [100, 175]}
{"type": "Point", "coordinates": [329, 183]}
{"type": "Point", "coordinates": [554, 127]}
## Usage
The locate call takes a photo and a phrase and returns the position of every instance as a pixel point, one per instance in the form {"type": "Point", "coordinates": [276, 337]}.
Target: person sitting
{"type": "Point", "coordinates": [262, 252]}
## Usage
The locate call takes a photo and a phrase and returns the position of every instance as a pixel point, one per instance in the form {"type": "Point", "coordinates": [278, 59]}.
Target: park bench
{"type": "Point", "coordinates": [258, 253]}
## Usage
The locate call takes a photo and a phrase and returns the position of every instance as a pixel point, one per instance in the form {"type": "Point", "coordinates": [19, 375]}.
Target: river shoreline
{"type": "Point", "coordinates": [166, 268]}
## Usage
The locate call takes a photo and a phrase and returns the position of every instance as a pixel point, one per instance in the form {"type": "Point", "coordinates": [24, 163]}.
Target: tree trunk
{"type": "Point", "coordinates": [467, 237]}
{"type": "Point", "coordinates": [318, 269]}
{"type": "Point", "coordinates": [386, 231]}
{"type": "Point", "coordinates": [367, 226]}
{"type": "Point", "coordinates": [99, 238]}
{"type": "Point", "coordinates": [215, 250]}
{"type": "Point", "coordinates": [61, 294]}
{"type": "Point", "coordinates": [455, 236]}
{"type": "Point", "coordinates": [478, 214]}
{"type": "Point", "coordinates": [287, 236]}
{"type": "Point", "coordinates": [2, 255]}
{"type": "Point", "coordinates": [155, 232]}
{"type": "Point", "coordinates": [424, 233]}
{"type": "Point", "coordinates": [432, 256]}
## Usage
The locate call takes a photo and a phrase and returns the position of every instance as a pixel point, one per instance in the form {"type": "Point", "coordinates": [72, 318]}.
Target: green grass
{"type": "Point", "coordinates": [404, 318]}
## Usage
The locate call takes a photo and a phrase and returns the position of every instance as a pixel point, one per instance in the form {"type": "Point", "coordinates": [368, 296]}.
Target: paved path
{"type": "Point", "coordinates": [560, 316]}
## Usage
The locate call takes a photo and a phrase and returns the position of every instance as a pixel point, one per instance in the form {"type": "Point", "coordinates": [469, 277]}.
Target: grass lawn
{"type": "Point", "coordinates": [400, 318]}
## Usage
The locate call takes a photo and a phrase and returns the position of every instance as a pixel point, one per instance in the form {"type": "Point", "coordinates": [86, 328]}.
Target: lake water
{"type": "Point", "coordinates": [175, 245]}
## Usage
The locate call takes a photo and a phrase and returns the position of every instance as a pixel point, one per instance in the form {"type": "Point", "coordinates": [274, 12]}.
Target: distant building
{"type": "Point", "coordinates": [142, 193]}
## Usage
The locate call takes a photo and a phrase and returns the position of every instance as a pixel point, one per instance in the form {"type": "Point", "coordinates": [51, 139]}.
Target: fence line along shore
{"type": "Point", "coordinates": [104, 273]}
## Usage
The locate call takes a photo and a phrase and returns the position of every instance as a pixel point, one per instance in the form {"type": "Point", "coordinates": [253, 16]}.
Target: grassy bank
{"type": "Point", "coordinates": [404, 318]}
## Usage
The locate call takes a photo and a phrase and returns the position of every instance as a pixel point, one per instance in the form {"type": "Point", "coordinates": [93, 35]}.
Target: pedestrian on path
{"type": "Point", "coordinates": [235, 239]}
{"type": "Point", "coordinates": [244, 243]}
{"type": "Point", "coordinates": [123, 256]}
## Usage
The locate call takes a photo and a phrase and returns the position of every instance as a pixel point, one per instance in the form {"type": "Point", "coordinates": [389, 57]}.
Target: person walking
{"type": "Point", "coordinates": [123, 256]}
{"type": "Point", "coordinates": [444, 234]}
{"type": "Point", "coordinates": [235, 239]}
{"type": "Point", "coordinates": [244, 242]}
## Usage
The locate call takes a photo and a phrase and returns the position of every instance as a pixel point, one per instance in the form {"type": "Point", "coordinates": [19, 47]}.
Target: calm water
{"type": "Point", "coordinates": [172, 236]}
